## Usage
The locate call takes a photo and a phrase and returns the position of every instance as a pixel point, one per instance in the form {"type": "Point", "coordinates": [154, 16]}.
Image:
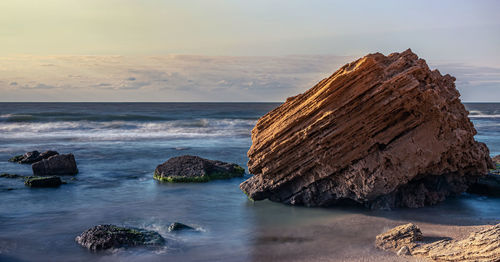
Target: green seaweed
{"type": "Point", "coordinates": [238, 171]}
{"type": "Point", "coordinates": [248, 196]}
{"type": "Point", "coordinates": [16, 158]}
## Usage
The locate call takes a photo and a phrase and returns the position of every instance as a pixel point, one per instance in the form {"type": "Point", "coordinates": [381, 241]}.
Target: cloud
{"type": "Point", "coordinates": [200, 78]}
{"type": "Point", "coordinates": [475, 83]}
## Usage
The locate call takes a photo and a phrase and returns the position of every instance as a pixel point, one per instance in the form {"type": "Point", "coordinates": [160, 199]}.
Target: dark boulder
{"type": "Point", "coordinates": [176, 226]}
{"type": "Point", "coordinates": [48, 181]}
{"type": "Point", "coordinates": [55, 165]}
{"type": "Point", "coordinates": [103, 237]}
{"type": "Point", "coordinates": [189, 168]}
{"type": "Point", "coordinates": [32, 157]}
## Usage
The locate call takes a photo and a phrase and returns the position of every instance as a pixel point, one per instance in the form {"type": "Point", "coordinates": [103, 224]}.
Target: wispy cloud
{"type": "Point", "coordinates": [193, 78]}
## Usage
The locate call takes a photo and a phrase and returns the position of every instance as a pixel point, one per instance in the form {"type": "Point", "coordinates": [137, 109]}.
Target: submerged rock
{"type": "Point", "coordinates": [32, 157]}
{"type": "Point", "coordinates": [176, 226]}
{"type": "Point", "coordinates": [189, 168]}
{"type": "Point", "coordinates": [383, 131]}
{"type": "Point", "coordinates": [55, 165]}
{"type": "Point", "coordinates": [479, 246]}
{"type": "Point", "coordinates": [6, 175]}
{"type": "Point", "coordinates": [103, 237]}
{"type": "Point", "coordinates": [46, 181]}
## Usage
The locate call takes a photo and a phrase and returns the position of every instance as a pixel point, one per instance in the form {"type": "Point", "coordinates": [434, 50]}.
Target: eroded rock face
{"type": "Point", "coordinates": [103, 237]}
{"type": "Point", "coordinates": [479, 246]}
{"type": "Point", "coordinates": [189, 168]}
{"type": "Point", "coordinates": [383, 131]}
{"type": "Point", "coordinates": [55, 165]}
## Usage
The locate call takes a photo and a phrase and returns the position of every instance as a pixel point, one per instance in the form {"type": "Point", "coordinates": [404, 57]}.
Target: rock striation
{"type": "Point", "coordinates": [407, 240]}
{"type": "Point", "coordinates": [64, 164]}
{"type": "Point", "coordinates": [189, 168]}
{"type": "Point", "coordinates": [382, 131]}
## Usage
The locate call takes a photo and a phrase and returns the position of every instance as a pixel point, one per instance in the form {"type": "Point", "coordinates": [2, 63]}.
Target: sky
{"type": "Point", "coordinates": [222, 50]}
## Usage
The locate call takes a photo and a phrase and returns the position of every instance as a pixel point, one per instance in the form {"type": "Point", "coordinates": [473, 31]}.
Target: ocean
{"type": "Point", "coordinates": [117, 146]}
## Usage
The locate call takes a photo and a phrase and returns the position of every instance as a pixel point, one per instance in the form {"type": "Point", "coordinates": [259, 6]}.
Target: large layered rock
{"type": "Point", "coordinates": [189, 168]}
{"type": "Point", "coordinates": [55, 165]}
{"type": "Point", "coordinates": [383, 131]}
{"type": "Point", "coordinates": [406, 240]}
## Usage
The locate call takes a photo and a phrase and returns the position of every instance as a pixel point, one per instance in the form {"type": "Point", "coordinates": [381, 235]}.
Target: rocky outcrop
{"type": "Point", "coordinates": [47, 181]}
{"type": "Point", "coordinates": [479, 246]}
{"type": "Point", "coordinates": [399, 237]}
{"type": "Point", "coordinates": [383, 131]}
{"type": "Point", "coordinates": [195, 169]}
{"type": "Point", "coordinates": [32, 157]}
{"type": "Point", "coordinates": [103, 237]}
{"type": "Point", "coordinates": [55, 165]}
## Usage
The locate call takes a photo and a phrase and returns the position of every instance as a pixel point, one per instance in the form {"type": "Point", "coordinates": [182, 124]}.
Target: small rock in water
{"type": "Point", "coordinates": [103, 237]}
{"type": "Point", "coordinates": [56, 165]}
{"type": "Point", "coordinates": [37, 181]}
{"type": "Point", "coordinates": [176, 226]}
{"type": "Point", "coordinates": [189, 168]}
{"type": "Point", "coordinates": [32, 157]}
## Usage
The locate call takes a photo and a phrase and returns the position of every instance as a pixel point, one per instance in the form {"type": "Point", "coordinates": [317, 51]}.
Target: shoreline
{"type": "Point", "coordinates": [347, 238]}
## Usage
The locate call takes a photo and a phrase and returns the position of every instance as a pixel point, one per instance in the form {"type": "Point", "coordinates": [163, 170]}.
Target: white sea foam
{"type": "Point", "coordinates": [126, 130]}
{"type": "Point", "coordinates": [485, 116]}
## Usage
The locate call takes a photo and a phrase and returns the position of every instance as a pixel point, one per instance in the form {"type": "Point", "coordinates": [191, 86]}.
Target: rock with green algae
{"type": "Point", "coordinates": [43, 181]}
{"type": "Point", "coordinates": [187, 168]}
{"type": "Point", "coordinates": [104, 237]}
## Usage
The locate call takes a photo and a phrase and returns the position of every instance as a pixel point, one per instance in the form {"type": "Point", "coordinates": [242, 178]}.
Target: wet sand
{"type": "Point", "coordinates": [347, 238]}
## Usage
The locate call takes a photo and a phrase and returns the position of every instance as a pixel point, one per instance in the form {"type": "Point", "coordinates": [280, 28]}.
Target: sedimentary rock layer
{"type": "Point", "coordinates": [383, 131]}
{"type": "Point", "coordinates": [479, 246]}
